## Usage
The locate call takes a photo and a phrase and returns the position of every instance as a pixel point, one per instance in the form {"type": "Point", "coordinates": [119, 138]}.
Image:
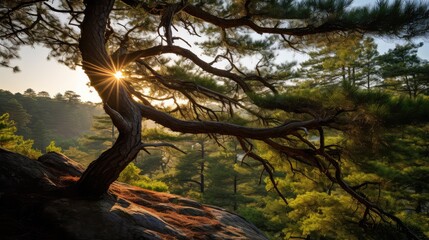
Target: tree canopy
{"type": "Point", "coordinates": [209, 67]}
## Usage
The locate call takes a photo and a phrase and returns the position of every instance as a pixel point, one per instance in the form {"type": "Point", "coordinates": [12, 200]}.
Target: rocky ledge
{"type": "Point", "coordinates": [31, 208]}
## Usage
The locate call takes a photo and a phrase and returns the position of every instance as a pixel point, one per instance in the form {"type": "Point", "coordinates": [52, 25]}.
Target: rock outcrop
{"type": "Point", "coordinates": [32, 206]}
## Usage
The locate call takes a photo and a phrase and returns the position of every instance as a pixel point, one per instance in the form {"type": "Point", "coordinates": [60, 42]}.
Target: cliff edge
{"type": "Point", "coordinates": [33, 206]}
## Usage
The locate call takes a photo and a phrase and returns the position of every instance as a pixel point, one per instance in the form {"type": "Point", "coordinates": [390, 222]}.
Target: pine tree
{"type": "Point", "coordinates": [7, 131]}
{"type": "Point", "coordinates": [18, 114]}
{"type": "Point", "coordinates": [52, 148]}
{"type": "Point", "coordinates": [218, 86]}
{"type": "Point", "coordinates": [101, 137]}
{"type": "Point", "coordinates": [404, 71]}
{"type": "Point", "coordinates": [16, 143]}
{"type": "Point", "coordinates": [349, 60]}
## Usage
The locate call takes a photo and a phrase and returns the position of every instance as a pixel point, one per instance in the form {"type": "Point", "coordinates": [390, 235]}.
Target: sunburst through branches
{"type": "Point", "coordinates": [110, 79]}
{"type": "Point", "coordinates": [118, 75]}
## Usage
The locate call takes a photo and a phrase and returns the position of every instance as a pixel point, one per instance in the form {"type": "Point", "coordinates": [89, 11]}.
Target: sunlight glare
{"type": "Point", "coordinates": [118, 75]}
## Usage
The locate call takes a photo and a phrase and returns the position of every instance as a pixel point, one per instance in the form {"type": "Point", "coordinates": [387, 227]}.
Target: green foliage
{"type": "Point", "coordinates": [15, 143]}
{"type": "Point", "coordinates": [162, 135]}
{"type": "Point", "coordinates": [393, 110]}
{"type": "Point", "coordinates": [131, 175]}
{"type": "Point", "coordinates": [317, 215]}
{"type": "Point", "coordinates": [44, 119]}
{"type": "Point", "coordinates": [404, 71]}
{"type": "Point", "coordinates": [209, 175]}
{"type": "Point", "coordinates": [220, 182]}
{"type": "Point", "coordinates": [381, 149]}
{"type": "Point", "coordinates": [188, 173]}
{"type": "Point", "coordinates": [151, 163]}
{"type": "Point", "coordinates": [349, 60]}
{"type": "Point", "coordinates": [25, 147]}
{"type": "Point", "coordinates": [101, 137]}
{"type": "Point", "coordinates": [288, 102]}
{"type": "Point", "coordinates": [18, 114]}
{"type": "Point", "coordinates": [254, 215]}
{"type": "Point", "coordinates": [53, 148]}
{"type": "Point", "coordinates": [407, 111]}
{"type": "Point", "coordinates": [186, 76]}
{"type": "Point", "coordinates": [7, 130]}
{"type": "Point", "coordinates": [147, 183]}
{"type": "Point", "coordinates": [78, 155]}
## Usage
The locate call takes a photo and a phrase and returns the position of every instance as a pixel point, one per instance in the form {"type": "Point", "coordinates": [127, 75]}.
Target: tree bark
{"type": "Point", "coordinates": [118, 103]}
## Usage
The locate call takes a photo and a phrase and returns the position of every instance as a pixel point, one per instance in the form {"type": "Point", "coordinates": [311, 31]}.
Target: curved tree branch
{"type": "Point", "coordinates": [370, 20]}
{"type": "Point", "coordinates": [157, 50]}
{"type": "Point", "coordinates": [224, 128]}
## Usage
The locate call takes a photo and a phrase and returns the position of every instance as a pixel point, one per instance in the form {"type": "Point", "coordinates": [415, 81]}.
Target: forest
{"type": "Point", "coordinates": [43, 119]}
{"type": "Point", "coordinates": [199, 99]}
{"type": "Point", "coordinates": [384, 154]}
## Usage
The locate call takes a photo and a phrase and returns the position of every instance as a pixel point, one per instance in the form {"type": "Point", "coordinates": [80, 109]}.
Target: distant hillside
{"type": "Point", "coordinates": [42, 118]}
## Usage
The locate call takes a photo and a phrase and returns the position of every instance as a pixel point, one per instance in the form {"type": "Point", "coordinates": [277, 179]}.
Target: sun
{"type": "Point", "coordinates": [118, 75]}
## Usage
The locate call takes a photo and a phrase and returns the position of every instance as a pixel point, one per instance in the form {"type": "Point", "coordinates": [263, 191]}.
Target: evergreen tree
{"type": "Point", "coordinates": [71, 97]}
{"type": "Point", "coordinates": [7, 131]}
{"type": "Point", "coordinates": [30, 92]}
{"type": "Point", "coordinates": [404, 71]}
{"type": "Point", "coordinates": [349, 60]}
{"type": "Point", "coordinates": [220, 182]}
{"type": "Point", "coordinates": [18, 114]}
{"type": "Point", "coordinates": [41, 133]}
{"type": "Point", "coordinates": [217, 87]}
{"type": "Point", "coordinates": [191, 169]}
{"type": "Point", "coordinates": [59, 97]}
{"type": "Point", "coordinates": [12, 142]}
{"type": "Point", "coordinates": [369, 64]}
{"type": "Point", "coordinates": [34, 115]}
{"type": "Point", "coordinates": [43, 94]}
{"type": "Point", "coordinates": [102, 136]}
{"type": "Point", "coordinates": [52, 148]}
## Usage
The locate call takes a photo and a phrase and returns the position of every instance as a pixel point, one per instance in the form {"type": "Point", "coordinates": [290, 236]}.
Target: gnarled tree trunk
{"type": "Point", "coordinates": [117, 101]}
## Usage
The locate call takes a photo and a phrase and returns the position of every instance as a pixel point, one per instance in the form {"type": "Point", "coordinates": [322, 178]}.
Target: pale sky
{"type": "Point", "coordinates": [42, 75]}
